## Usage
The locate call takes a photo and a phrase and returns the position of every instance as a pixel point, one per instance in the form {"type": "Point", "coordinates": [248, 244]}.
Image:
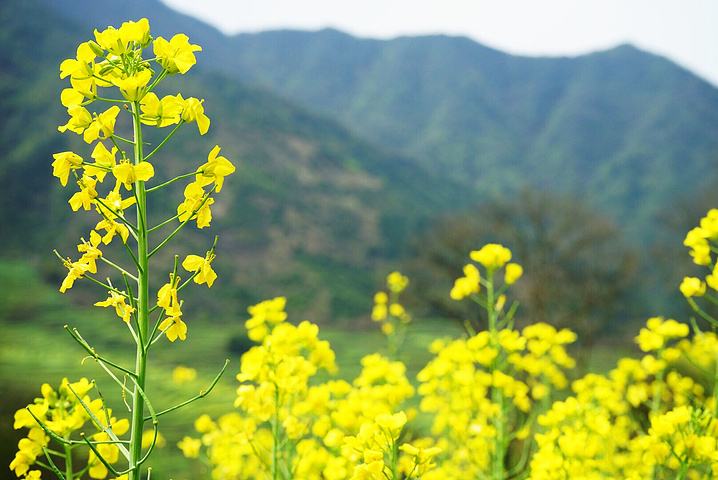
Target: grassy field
{"type": "Point", "coordinates": [34, 348]}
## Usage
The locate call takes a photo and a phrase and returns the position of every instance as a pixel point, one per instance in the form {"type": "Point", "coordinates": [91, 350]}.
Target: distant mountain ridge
{"type": "Point", "coordinates": [618, 127]}
{"type": "Point", "coordinates": [625, 129]}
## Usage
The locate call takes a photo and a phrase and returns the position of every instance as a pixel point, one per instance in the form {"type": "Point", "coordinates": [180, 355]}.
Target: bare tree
{"type": "Point", "coordinates": [577, 268]}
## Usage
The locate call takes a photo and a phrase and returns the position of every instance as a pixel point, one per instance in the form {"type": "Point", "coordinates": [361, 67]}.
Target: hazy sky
{"type": "Point", "coordinates": [684, 30]}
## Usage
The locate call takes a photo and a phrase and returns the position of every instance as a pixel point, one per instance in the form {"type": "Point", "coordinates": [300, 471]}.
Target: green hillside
{"type": "Point", "coordinates": [320, 212]}
{"type": "Point", "coordinates": [624, 129]}
{"type": "Point", "coordinates": [313, 212]}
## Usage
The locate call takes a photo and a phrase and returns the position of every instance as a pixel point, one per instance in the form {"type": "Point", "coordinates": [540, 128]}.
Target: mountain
{"type": "Point", "coordinates": [350, 145]}
{"type": "Point", "coordinates": [311, 212]}
{"type": "Point", "coordinates": [623, 128]}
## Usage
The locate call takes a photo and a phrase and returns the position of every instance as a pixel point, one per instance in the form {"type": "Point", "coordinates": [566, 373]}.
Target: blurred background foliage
{"type": "Point", "coordinates": [356, 157]}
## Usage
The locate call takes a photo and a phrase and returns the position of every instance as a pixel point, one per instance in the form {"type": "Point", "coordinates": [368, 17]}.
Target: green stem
{"type": "Point", "coordinates": [658, 393]}
{"type": "Point", "coordinates": [157, 79]}
{"type": "Point", "coordinates": [394, 460]}
{"type": "Point", "coordinates": [118, 268]}
{"type": "Point", "coordinates": [170, 182]}
{"type": "Point", "coordinates": [708, 318]}
{"type": "Point", "coordinates": [99, 456]}
{"type": "Point", "coordinates": [683, 471]}
{"type": "Point", "coordinates": [122, 139]}
{"type": "Point", "coordinates": [111, 100]}
{"type": "Point", "coordinates": [201, 394]}
{"type": "Point", "coordinates": [68, 463]}
{"type": "Point", "coordinates": [275, 435]}
{"type": "Point", "coordinates": [497, 396]}
{"type": "Point", "coordinates": [51, 465]}
{"type": "Point", "coordinates": [137, 424]}
{"type": "Point", "coordinates": [166, 139]}
{"type": "Point", "coordinates": [75, 334]}
{"type": "Point", "coordinates": [119, 215]}
{"type": "Point", "coordinates": [160, 225]}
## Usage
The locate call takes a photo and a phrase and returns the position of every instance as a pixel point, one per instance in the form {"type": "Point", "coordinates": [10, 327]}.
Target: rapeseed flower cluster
{"type": "Point", "coordinates": [66, 418]}
{"type": "Point", "coordinates": [499, 403]}
{"type": "Point", "coordinates": [289, 425]}
{"type": "Point", "coordinates": [110, 98]}
{"type": "Point", "coordinates": [620, 424]}
{"type": "Point", "coordinates": [651, 417]}
{"type": "Point", "coordinates": [483, 391]}
{"type": "Point", "coordinates": [390, 313]}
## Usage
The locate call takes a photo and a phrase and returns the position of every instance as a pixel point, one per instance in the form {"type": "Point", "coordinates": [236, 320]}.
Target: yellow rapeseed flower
{"type": "Point", "coordinates": [491, 256]}
{"type": "Point", "coordinates": [86, 196]}
{"type": "Point", "coordinates": [174, 327]}
{"type": "Point", "coordinates": [105, 160]}
{"type": "Point", "coordinates": [132, 87]}
{"type": "Point", "coordinates": [513, 272]}
{"type": "Point", "coordinates": [196, 205]}
{"type": "Point", "coordinates": [63, 164]}
{"type": "Point", "coordinates": [190, 447]}
{"type": "Point", "coordinates": [216, 168]}
{"type": "Point", "coordinates": [193, 111]}
{"type": "Point", "coordinates": [177, 54]}
{"type": "Point", "coordinates": [202, 267]}
{"type": "Point", "coordinates": [467, 285]}
{"type": "Point", "coordinates": [117, 300]}
{"type": "Point", "coordinates": [692, 287]}
{"type": "Point", "coordinates": [128, 173]}
{"type": "Point", "coordinates": [396, 282]}
{"type": "Point", "coordinates": [135, 32]}
{"type": "Point", "coordinates": [161, 113]}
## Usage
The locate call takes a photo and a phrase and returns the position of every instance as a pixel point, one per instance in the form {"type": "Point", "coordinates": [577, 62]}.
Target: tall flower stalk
{"type": "Point", "coordinates": [111, 69]}
{"type": "Point", "coordinates": [137, 426]}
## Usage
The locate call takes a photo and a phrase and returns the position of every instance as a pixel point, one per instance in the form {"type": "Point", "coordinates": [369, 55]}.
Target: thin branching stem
{"type": "Point", "coordinates": [75, 334]}
{"type": "Point", "coordinates": [123, 155]}
{"type": "Point", "coordinates": [159, 336]}
{"type": "Point", "coordinates": [702, 313]}
{"type": "Point", "coordinates": [154, 329]}
{"type": "Point", "coordinates": [51, 465]}
{"type": "Point", "coordinates": [99, 455]}
{"type": "Point", "coordinates": [117, 214]}
{"type": "Point", "coordinates": [201, 394]}
{"type": "Point", "coordinates": [181, 225]}
{"type": "Point", "coordinates": [126, 140]}
{"type": "Point", "coordinates": [170, 182]}
{"type": "Point", "coordinates": [103, 284]}
{"type": "Point", "coordinates": [162, 143]}
{"type": "Point", "coordinates": [111, 100]}
{"type": "Point", "coordinates": [186, 282]}
{"type": "Point", "coordinates": [133, 303]}
{"type": "Point", "coordinates": [157, 79]}
{"type": "Point", "coordinates": [107, 429]}
{"type": "Point", "coordinates": [65, 441]}
{"type": "Point", "coordinates": [132, 255]}
{"type": "Point", "coordinates": [124, 272]}
{"type": "Point", "coordinates": [158, 226]}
